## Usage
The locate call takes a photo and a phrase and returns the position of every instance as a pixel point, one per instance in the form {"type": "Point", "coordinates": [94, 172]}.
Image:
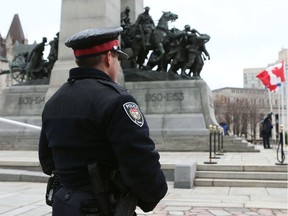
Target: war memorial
{"type": "Point", "coordinates": [163, 73]}
{"type": "Point", "coordinates": [178, 106]}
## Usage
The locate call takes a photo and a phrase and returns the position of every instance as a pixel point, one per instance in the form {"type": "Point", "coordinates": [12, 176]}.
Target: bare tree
{"type": "Point", "coordinates": [256, 111]}
{"type": "Point", "coordinates": [241, 114]}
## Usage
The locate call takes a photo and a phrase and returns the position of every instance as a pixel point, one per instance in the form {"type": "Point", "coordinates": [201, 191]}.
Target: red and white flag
{"type": "Point", "coordinates": [272, 76]}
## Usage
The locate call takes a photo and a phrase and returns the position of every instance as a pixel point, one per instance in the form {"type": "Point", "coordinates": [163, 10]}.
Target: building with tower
{"type": "Point", "coordinates": [11, 45]}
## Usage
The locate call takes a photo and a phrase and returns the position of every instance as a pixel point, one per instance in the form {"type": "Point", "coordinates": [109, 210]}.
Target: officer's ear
{"type": "Point", "coordinates": [108, 59]}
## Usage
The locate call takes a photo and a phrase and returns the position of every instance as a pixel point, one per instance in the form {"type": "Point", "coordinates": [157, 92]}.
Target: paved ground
{"type": "Point", "coordinates": [22, 198]}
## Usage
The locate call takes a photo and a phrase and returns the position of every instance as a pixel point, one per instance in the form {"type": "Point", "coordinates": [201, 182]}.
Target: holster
{"type": "Point", "coordinates": [126, 205]}
{"type": "Point", "coordinates": [111, 194]}
{"type": "Point", "coordinates": [53, 185]}
{"type": "Point", "coordinates": [99, 189]}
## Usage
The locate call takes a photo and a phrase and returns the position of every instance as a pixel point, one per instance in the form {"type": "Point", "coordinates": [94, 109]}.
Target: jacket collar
{"type": "Point", "coordinates": [84, 72]}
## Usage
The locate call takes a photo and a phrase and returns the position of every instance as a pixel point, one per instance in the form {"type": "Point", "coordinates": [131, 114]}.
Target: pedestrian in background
{"type": "Point", "coordinates": [266, 131]}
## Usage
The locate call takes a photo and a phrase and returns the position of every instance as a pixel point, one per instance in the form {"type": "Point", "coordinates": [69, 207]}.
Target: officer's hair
{"type": "Point", "coordinates": [89, 61]}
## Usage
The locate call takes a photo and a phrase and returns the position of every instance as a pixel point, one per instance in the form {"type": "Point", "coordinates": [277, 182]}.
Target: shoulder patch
{"type": "Point", "coordinates": [134, 113]}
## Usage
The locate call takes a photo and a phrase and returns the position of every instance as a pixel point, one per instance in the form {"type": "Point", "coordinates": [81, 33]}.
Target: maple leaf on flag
{"type": "Point", "coordinates": [272, 76]}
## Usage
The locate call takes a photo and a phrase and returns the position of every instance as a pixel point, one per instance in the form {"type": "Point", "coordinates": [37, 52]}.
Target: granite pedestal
{"type": "Point", "coordinates": [23, 104]}
{"type": "Point", "coordinates": [178, 112]}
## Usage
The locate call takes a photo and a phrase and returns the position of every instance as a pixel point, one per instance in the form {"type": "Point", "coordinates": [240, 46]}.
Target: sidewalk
{"type": "Point", "coordinates": [27, 199]}
{"type": "Point", "coordinates": [22, 198]}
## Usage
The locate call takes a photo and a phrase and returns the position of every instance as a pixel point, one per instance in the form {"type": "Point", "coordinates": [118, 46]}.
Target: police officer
{"type": "Point", "coordinates": [93, 119]}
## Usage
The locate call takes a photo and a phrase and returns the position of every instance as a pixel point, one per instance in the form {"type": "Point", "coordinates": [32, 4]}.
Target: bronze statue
{"type": "Point", "coordinates": [30, 67]}
{"type": "Point", "coordinates": [53, 54]}
{"type": "Point", "coordinates": [181, 49]}
{"type": "Point", "coordinates": [180, 57]}
{"type": "Point", "coordinates": [125, 18]}
{"type": "Point", "coordinates": [158, 40]}
{"type": "Point", "coordinates": [145, 26]}
{"type": "Point", "coordinates": [195, 46]}
{"type": "Point", "coordinates": [35, 59]}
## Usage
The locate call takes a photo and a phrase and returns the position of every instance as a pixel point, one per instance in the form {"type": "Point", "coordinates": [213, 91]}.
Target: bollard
{"type": "Point", "coordinates": [210, 146]}
{"type": "Point", "coordinates": [219, 142]}
{"type": "Point", "coordinates": [222, 137]}
{"type": "Point", "coordinates": [280, 147]}
{"type": "Point", "coordinates": [214, 142]}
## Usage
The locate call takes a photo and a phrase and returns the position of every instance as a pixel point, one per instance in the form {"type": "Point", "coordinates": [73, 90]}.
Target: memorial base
{"type": "Point", "coordinates": [23, 104]}
{"type": "Point", "coordinates": [178, 112]}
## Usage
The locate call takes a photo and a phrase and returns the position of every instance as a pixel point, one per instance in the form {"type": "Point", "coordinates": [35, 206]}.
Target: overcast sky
{"type": "Point", "coordinates": [244, 33]}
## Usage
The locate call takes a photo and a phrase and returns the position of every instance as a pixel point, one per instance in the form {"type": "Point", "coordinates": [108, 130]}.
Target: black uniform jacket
{"type": "Point", "coordinates": [92, 119]}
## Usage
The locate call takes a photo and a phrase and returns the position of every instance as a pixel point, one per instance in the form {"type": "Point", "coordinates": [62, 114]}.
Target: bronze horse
{"type": "Point", "coordinates": [159, 38]}
{"type": "Point", "coordinates": [180, 60]}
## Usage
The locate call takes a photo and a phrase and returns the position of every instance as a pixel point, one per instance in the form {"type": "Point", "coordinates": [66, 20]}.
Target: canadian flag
{"type": "Point", "coordinates": [272, 76]}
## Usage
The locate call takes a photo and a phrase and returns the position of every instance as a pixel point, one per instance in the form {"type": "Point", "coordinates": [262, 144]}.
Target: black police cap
{"type": "Point", "coordinates": [95, 41]}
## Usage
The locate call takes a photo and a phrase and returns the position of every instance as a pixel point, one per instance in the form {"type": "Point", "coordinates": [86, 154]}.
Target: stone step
{"type": "Point", "coordinates": [17, 175]}
{"type": "Point", "coordinates": [240, 149]}
{"type": "Point", "coordinates": [242, 175]}
{"type": "Point", "coordinates": [241, 168]}
{"type": "Point", "coordinates": [239, 183]}
{"type": "Point", "coordinates": [25, 139]}
{"type": "Point", "coordinates": [24, 166]}
{"type": "Point", "coordinates": [169, 169]}
{"type": "Point", "coordinates": [201, 144]}
{"type": "Point", "coordinates": [21, 140]}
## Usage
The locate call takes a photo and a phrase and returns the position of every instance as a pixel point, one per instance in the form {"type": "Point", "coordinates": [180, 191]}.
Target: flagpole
{"type": "Point", "coordinates": [270, 101]}
{"type": "Point", "coordinates": [282, 106]}
{"type": "Point", "coordinates": [286, 96]}
{"type": "Point", "coordinates": [279, 114]}
{"type": "Point", "coordinates": [273, 119]}
{"type": "Point", "coordinates": [272, 77]}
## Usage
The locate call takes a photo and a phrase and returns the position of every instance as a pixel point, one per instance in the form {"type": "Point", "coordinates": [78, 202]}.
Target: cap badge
{"type": "Point", "coordinates": [134, 113]}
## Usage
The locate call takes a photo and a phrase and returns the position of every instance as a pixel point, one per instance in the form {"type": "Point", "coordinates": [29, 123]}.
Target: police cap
{"type": "Point", "coordinates": [91, 42]}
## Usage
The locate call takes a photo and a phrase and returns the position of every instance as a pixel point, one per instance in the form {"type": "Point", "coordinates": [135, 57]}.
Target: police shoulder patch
{"type": "Point", "coordinates": [134, 113]}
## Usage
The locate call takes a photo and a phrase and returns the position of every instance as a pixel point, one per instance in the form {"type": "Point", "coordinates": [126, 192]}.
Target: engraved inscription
{"type": "Point", "coordinates": [31, 100]}
{"type": "Point", "coordinates": [168, 96]}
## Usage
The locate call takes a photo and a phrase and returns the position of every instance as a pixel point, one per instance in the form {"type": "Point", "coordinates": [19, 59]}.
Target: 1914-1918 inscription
{"type": "Point", "coordinates": [31, 100]}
